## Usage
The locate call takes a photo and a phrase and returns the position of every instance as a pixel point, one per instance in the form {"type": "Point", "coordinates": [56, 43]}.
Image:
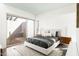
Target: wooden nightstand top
{"type": "Point", "coordinates": [65, 40]}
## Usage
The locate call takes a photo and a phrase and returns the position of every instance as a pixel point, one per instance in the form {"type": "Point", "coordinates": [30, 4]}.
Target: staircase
{"type": "Point", "coordinates": [17, 34]}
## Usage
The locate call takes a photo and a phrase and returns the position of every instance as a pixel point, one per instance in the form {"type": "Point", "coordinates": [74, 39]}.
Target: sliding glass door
{"type": "Point", "coordinates": [16, 30]}
{"type": "Point", "coordinates": [19, 29]}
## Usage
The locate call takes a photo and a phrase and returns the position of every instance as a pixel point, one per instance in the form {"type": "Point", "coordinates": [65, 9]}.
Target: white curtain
{"type": "Point", "coordinates": [30, 28]}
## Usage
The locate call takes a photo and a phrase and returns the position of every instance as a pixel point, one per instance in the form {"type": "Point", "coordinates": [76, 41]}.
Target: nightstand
{"type": "Point", "coordinates": [65, 40]}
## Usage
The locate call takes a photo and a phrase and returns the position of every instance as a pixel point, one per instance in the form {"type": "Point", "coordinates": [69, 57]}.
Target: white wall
{"type": "Point", "coordinates": [3, 25]}
{"type": "Point", "coordinates": [63, 18]}
{"type": "Point", "coordinates": [77, 35]}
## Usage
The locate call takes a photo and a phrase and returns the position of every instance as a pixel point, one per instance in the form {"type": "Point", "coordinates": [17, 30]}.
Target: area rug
{"type": "Point", "coordinates": [26, 51]}
{"type": "Point", "coordinates": [58, 52]}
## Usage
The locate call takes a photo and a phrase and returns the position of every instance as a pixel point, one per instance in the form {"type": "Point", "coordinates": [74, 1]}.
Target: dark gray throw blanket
{"type": "Point", "coordinates": [40, 41]}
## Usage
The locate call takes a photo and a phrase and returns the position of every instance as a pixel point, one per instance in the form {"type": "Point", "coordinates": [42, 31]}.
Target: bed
{"type": "Point", "coordinates": [43, 44]}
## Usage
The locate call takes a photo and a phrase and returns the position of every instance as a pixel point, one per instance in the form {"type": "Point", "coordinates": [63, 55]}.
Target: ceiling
{"type": "Point", "coordinates": [38, 8]}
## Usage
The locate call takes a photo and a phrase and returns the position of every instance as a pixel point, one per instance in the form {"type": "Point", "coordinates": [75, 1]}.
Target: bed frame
{"type": "Point", "coordinates": [41, 49]}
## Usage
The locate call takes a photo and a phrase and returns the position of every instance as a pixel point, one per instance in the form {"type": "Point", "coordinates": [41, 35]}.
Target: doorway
{"type": "Point", "coordinates": [18, 30]}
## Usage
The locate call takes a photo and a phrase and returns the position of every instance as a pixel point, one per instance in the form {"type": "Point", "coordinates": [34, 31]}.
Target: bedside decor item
{"type": "Point", "coordinates": [58, 34]}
